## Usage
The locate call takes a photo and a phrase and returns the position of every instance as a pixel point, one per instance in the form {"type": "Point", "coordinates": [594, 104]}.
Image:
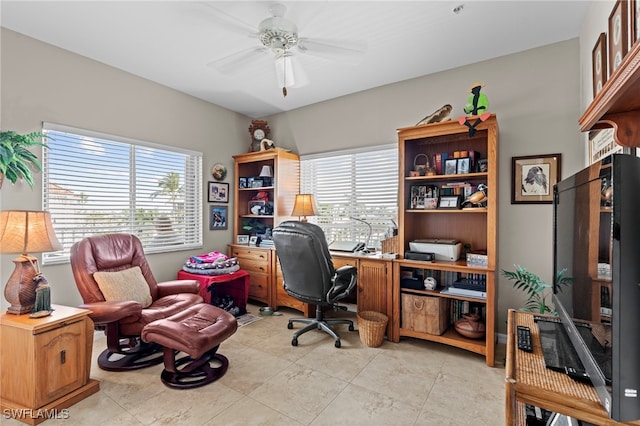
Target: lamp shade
{"type": "Point", "coordinates": [23, 231]}
{"type": "Point", "coordinates": [305, 205]}
{"type": "Point", "coordinates": [266, 171]}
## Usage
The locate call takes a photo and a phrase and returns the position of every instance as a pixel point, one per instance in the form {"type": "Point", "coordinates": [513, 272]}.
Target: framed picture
{"type": "Point", "coordinates": [256, 183]}
{"type": "Point", "coordinates": [450, 166]}
{"type": "Point", "coordinates": [533, 177]}
{"type": "Point", "coordinates": [218, 217]}
{"type": "Point", "coordinates": [242, 240]}
{"type": "Point", "coordinates": [218, 192]}
{"type": "Point", "coordinates": [253, 240]}
{"type": "Point", "coordinates": [483, 165]}
{"type": "Point", "coordinates": [450, 202]}
{"type": "Point", "coordinates": [242, 182]}
{"type": "Point", "coordinates": [256, 207]}
{"type": "Point", "coordinates": [423, 197]}
{"type": "Point", "coordinates": [601, 144]}
{"type": "Point", "coordinates": [618, 34]}
{"type": "Point", "coordinates": [463, 165]}
{"type": "Point", "coordinates": [599, 63]}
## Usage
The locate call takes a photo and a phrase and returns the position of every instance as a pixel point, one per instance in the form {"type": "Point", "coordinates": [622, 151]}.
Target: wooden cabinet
{"type": "Point", "coordinates": [280, 191]}
{"type": "Point", "coordinates": [257, 262]}
{"type": "Point", "coordinates": [373, 289]}
{"type": "Point", "coordinates": [529, 382]}
{"type": "Point", "coordinates": [45, 362]}
{"type": "Point", "coordinates": [475, 227]}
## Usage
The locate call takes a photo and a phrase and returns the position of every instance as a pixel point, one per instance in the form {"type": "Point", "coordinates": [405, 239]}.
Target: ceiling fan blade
{"type": "Point", "coordinates": [243, 58]}
{"type": "Point", "coordinates": [229, 21]}
{"type": "Point", "coordinates": [346, 51]}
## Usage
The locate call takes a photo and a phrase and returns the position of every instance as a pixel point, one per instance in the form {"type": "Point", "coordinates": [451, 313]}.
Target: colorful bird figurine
{"type": "Point", "coordinates": [477, 105]}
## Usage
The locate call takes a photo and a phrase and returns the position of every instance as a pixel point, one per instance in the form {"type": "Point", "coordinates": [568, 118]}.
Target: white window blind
{"type": "Point", "coordinates": [98, 184]}
{"type": "Point", "coordinates": [354, 186]}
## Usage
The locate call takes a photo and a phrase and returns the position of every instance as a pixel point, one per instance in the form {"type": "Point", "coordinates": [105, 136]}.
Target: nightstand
{"type": "Point", "coordinates": [45, 363]}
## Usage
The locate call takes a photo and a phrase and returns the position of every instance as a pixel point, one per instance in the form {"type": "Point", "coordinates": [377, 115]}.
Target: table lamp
{"type": "Point", "coordinates": [266, 172]}
{"type": "Point", "coordinates": [305, 205]}
{"type": "Point", "coordinates": [21, 232]}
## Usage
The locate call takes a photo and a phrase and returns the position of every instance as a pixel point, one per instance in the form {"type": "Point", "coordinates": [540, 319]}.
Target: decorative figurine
{"type": "Point", "coordinates": [477, 105]}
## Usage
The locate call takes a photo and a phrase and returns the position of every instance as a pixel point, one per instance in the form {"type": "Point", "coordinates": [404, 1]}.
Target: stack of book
{"type": "Point", "coordinates": [475, 285]}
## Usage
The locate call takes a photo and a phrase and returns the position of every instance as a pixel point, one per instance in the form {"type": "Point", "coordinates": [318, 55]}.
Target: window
{"type": "Point", "coordinates": [354, 189]}
{"type": "Point", "coordinates": [97, 184]}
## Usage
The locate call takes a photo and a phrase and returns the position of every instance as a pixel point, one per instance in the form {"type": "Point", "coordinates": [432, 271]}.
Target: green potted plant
{"type": "Point", "coordinates": [16, 161]}
{"type": "Point", "coordinates": [535, 288]}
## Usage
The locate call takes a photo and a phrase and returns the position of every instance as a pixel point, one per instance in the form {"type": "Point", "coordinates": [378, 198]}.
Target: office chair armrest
{"type": "Point", "coordinates": [167, 288]}
{"type": "Point", "coordinates": [343, 282]}
{"type": "Point", "coordinates": [106, 312]}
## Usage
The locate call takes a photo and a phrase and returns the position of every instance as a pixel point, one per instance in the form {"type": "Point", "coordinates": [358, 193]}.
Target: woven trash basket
{"type": "Point", "coordinates": [371, 326]}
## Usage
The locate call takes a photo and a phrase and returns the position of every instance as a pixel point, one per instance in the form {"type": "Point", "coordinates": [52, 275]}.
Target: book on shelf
{"type": "Point", "coordinates": [465, 292]}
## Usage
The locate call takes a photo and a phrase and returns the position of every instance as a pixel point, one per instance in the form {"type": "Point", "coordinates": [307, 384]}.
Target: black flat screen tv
{"type": "Point", "coordinates": [597, 242]}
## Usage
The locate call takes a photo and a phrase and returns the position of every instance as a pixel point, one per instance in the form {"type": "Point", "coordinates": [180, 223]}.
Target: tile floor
{"type": "Point", "coordinates": [270, 382]}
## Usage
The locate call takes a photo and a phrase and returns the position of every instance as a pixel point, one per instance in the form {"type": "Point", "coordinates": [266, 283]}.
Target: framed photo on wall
{"type": "Point", "coordinates": [218, 192]}
{"type": "Point", "coordinates": [533, 177]}
{"type": "Point", "coordinates": [618, 34]}
{"type": "Point", "coordinates": [599, 64]}
{"type": "Point", "coordinates": [218, 218]}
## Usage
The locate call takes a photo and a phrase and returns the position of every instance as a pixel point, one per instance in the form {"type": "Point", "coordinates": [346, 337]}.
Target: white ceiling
{"type": "Point", "coordinates": [171, 42]}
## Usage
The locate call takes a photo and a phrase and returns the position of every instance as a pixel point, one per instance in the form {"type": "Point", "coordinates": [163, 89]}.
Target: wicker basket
{"type": "Point", "coordinates": [371, 326]}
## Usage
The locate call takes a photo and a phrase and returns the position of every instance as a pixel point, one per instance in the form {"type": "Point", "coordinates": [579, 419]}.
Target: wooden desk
{"type": "Point", "coordinates": [529, 382]}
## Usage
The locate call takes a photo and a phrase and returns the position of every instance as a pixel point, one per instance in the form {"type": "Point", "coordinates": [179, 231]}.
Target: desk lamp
{"type": "Point", "coordinates": [24, 231]}
{"type": "Point", "coordinates": [305, 205]}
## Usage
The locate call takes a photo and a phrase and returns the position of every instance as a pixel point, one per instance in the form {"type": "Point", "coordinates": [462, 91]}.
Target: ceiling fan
{"type": "Point", "coordinates": [280, 37]}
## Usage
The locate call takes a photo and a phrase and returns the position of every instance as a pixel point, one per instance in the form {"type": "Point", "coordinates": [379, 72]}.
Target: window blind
{"type": "Point", "coordinates": [354, 186]}
{"type": "Point", "coordinates": [97, 184]}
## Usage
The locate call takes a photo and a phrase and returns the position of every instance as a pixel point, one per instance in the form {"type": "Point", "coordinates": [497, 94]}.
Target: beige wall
{"type": "Point", "coordinates": [43, 83]}
{"type": "Point", "coordinates": [535, 94]}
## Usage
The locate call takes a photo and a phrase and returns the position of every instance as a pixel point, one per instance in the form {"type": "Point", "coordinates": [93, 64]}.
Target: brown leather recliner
{"type": "Point", "coordinates": [123, 321]}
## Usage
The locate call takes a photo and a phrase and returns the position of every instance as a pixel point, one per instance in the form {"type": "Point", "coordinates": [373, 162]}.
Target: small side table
{"type": "Point", "coordinates": [45, 363]}
{"type": "Point", "coordinates": [235, 284]}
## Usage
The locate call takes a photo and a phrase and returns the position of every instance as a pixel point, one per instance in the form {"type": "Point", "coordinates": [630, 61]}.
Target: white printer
{"type": "Point", "coordinates": [443, 249]}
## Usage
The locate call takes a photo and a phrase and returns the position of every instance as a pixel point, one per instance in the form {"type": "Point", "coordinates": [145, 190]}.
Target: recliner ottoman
{"type": "Point", "coordinates": [198, 332]}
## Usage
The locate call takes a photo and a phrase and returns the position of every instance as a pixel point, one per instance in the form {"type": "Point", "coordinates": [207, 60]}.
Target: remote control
{"type": "Point", "coordinates": [524, 339]}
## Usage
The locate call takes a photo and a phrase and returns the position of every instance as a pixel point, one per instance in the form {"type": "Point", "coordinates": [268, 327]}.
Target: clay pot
{"type": "Point", "coordinates": [470, 326]}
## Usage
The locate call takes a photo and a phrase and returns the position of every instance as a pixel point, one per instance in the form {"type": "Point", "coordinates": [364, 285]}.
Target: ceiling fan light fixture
{"type": "Point", "coordinates": [278, 34]}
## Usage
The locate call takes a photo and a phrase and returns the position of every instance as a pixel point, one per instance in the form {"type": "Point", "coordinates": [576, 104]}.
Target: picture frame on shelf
{"type": "Point", "coordinates": [218, 218]}
{"type": "Point", "coordinates": [533, 178]}
{"type": "Point", "coordinates": [483, 165]}
{"type": "Point", "coordinates": [218, 192]}
{"type": "Point", "coordinates": [242, 182]}
{"type": "Point", "coordinates": [256, 183]}
{"type": "Point", "coordinates": [599, 63]}
{"type": "Point", "coordinates": [618, 34]}
{"type": "Point", "coordinates": [253, 240]}
{"type": "Point", "coordinates": [452, 202]}
{"type": "Point", "coordinates": [450, 166]}
{"type": "Point", "coordinates": [463, 165]}
{"type": "Point", "coordinates": [601, 144]}
{"type": "Point", "coordinates": [423, 197]}
{"type": "Point", "coordinates": [242, 240]}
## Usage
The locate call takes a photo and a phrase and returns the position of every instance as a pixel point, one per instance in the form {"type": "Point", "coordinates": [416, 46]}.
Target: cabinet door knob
{"type": "Point", "coordinates": [63, 356]}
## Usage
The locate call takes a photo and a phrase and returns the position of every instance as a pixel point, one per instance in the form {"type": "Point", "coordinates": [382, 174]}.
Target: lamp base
{"type": "Point", "coordinates": [20, 290]}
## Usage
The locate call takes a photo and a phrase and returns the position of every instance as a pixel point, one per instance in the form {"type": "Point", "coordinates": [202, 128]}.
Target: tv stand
{"type": "Point", "coordinates": [528, 381]}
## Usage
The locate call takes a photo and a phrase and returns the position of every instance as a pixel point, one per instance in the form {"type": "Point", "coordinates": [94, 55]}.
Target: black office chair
{"type": "Point", "coordinates": [309, 275]}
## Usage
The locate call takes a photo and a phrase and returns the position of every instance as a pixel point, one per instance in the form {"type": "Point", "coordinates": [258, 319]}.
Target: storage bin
{"type": "Point", "coordinates": [424, 314]}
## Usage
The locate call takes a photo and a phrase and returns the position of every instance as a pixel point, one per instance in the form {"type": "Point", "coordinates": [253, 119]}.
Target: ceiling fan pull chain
{"type": "Point", "coordinates": [284, 76]}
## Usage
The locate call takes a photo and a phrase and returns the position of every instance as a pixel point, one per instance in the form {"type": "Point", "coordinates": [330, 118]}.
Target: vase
{"type": "Point", "coordinates": [470, 326]}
